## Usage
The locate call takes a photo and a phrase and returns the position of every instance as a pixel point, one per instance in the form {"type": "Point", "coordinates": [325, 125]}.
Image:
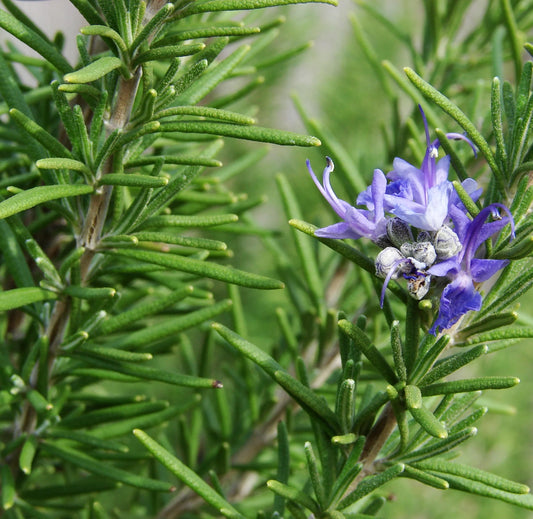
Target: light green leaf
{"type": "Point", "coordinates": [24, 296]}
{"type": "Point", "coordinates": [132, 180]}
{"type": "Point", "coordinates": [94, 70]}
{"type": "Point", "coordinates": [104, 470]}
{"type": "Point", "coordinates": [187, 476]}
{"type": "Point", "coordinates": [63, 163]}
{"type": "Point", "coordinates": [39, 195]}
{"type": "Point", "coordinates": [232, 5]}
{"type": "Point", "coordinates": [200, 268]}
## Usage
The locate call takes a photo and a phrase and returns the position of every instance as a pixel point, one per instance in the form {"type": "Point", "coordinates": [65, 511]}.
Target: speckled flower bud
{"type": "Point", "coordinates": [398, 232]}
{"type": "Point", "coordinates": [419, 286]}
{"type": "Point", "coordinates": [424, 236]}
{"type": "Point", "coordinates": [446, 243]}
{"type": "Point", "coordinates": [423, 252]}
{"type": "Point", "coordinates": [388, 259]}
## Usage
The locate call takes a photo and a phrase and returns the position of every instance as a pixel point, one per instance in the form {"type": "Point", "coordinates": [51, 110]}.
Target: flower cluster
{"type": "Point", "coordinates": [424, 230]}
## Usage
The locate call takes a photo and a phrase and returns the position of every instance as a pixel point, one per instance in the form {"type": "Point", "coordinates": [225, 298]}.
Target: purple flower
{"type": "Point", "coordinates": [424, 201]}
{"type": "Point", "coordinates": [460, 296]}
{"type": "Point", "coordinates": [369, 223]}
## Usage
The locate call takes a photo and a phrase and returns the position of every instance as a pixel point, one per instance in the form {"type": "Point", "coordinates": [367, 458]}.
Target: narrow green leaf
{"type": "Point", "coordinates": [187, 476]}
{"type": "Point", "coordinates": [27, 454]}
{"type": "Point", "coordinates": [500, 335]}
{"type": "Point", "coordinates": [150, 373]}
{"type": "Point", "coordinates": [487, 324]}
{"type": "Point", "coordinates": [86, 439]}
{"type": "Point", "coordinates": [24, 296]}
{"type": "Point", "coordinates": [232, 5]}
{"type": "Point", "coordinates": [105, 32]}
{"type": "Point", "coordinates": [40, 134]}
{"type": "Point", "coordinates": [8, 487]}
{"type": "Point", "coordinates": [425, 477]}
{"type": "Point", "coordinates": [397, 351]}
{"type": "Point", "coordinates": [151, 28]}
{"type": "Point", "coordinates": [177, 220]}
{"type": "Point", "coordinates": [469, 384]}
{"type": "Point", "coordinates": [86, 485]}
{"type": "Point", "coordinates": [369, 484]}
{"type": "Point", "coordinates": [293, 494]}
{"type": "Point", "coordinates": [172, 327]}
{"type": "Point", "coordinates": [170, 52]}
{"type": "Point", "coordinates": [205, 111]}
{"type": "Point", "coordinates": [451, 109]}
{"type": "Point", "coordinates": [34, 41]}
{"type": "Point", "coordinates": [104, 470]}
{"type": "Point", "coordinates": [346, 404]}
{"type": "Point", "coordinates": [89, 292]}
{"type": "Point", "coordinates": [39, 195]}
{"type": "Point", "coordinates": [315, 476]}
{"type": "Point", "coordinates": [112, 413]}
{"type": "Point", "coordinates": [451, 364]}
{"type": "Point", "coordinates": [375, 357]}
{"type": "Point", "coordinates": [94, 70]}
{"type": "Point", "coordinates": [497, 120]}
{"type": "Point", "coordinates": [474, 474]}
{"type": "Point", "coordinates": [252, 133]}
{"type": "Point", "coordinates": [134, 315]}
{"type": "Point", "coordinates": [214, 75]}
{"type": "Point", "coordinates": [114, 354]}
{"type": "Point", "coordinates": [185, 241]}
{"type": "Point", "coordinates": [14, 258]}
{"type": "Point", "coordinates": [118, 429]}
{"type": "Point", "coordinates": [436, 447]}
{"type": "Point", "coordinates": [473, 487]}
{"type": "Point", "coordinates": [64, 163]}
{"type": "Point", "coordinates": [427, 358]}
{"type": "Point", "coordinates": [295, 388]}
{"type": "Point", "coordinates": [132, 180]}
{"type": "Point", "coordinates": [425, 418]}
{"type": "Point", "coordinates": [470, 205]}
{"type": "Point", "coordinates": [201, 268]}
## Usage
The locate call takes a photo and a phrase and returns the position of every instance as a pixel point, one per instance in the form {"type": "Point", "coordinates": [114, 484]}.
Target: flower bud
{"type": "Point", "coordinates": [419, 286]}
{"type": "Point", "coordinates": [398, 232]}
{"type": "Point", "coordinates": [446, 243]}
{"type": "Point", "coordinates": [387, 259]}
{"type": "Point", "coordinates": [424, 252]}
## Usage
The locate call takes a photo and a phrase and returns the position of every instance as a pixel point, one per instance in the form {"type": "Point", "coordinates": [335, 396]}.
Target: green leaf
{"type": "Point", "coordinates": [170, 52]}
{"type": "Point", "coordinates": [150, 373]}
{"type": "Point", "coordinates": [34, 41]}
{"type": "Point", "coordinates": [132, 180]}
{"type": "Point", "coordinates": [89, 292]}
{"type": "Point", "coordinates": [153, 25]}
{"type": "Point", "coordinates": [473, 487]}
{"type": "Point", "coordinates": [452, 364]}
{"type": "Point", "coordinates": [474, 474]}
{"type": "Point", "coordinates": [252, 133]}
{"type": "Point", "coordinates": [64, 163]}
{"type": "Point", "coordinates": [294, 494]}
{"type": "Point", "coordinates": [40, 195]}
{"type": "Point", "coordinates": [40, 134]}
{"type": "Point", "coordinates": [104, 470]}
{"type": "Point", "coordinates": [425, 418]}
{"type": "Point", "coordinates": [186, 221]}
{"type": "Point", "coordinates": [375, 357]}
{"type": "Point", "coordinates": [134, 315]}
{"type": "Point", "coordinates": [200, 268]}
{"type": "Point", "coordinates": [187, 476]}
{"type": "Point", "coordinates": [86, 439]}
{"type": "Point", "coordinates": [24, 296]}
{"type": "Point", "coordinates": [369, 484]}
{"type": "Point", "coordinates": [301, 393]}
{"type": "Point", "coordinates": [105, 32]}
{"type": "Point", "coordinates": [469, 384]}
{"type": "Point", "coordinates": [8, 487]}
{"type": "Point", "coordinates": [94, 70]}
{"type": "Point", "coordinates": [27, 454]}
{"type": "Point", "coordinates": [232, 5]}
{"type": "Point", "coordinates": [425, 477]}
{"type": "Point", "coordinates": [171, 327]}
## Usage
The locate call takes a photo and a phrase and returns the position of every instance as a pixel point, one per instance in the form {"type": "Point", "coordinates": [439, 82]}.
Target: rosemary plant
{"type": "Point", "coordinates": [130, 384]}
